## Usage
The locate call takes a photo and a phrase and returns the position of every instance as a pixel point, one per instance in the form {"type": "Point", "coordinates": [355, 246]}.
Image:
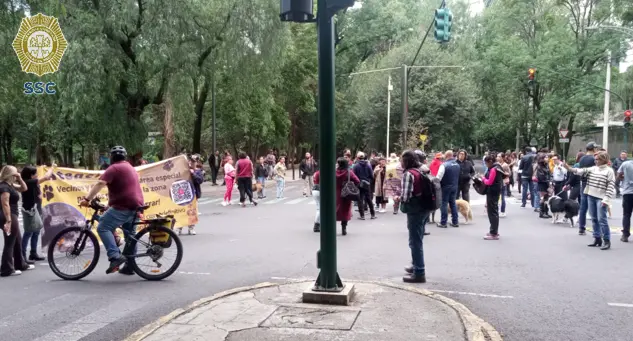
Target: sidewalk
{"type": "Point", "coordinates": [274, 312]}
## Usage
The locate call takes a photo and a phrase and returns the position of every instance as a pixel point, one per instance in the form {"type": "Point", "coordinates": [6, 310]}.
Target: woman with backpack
{"type": "Point", "coordinates": [493, 180]}
{"type": "Point", "coordinates": [414, 203]}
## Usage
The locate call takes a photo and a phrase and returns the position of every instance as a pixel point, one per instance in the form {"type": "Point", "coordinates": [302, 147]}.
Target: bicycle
{"type": "Point", "coordinates": [160, 233]}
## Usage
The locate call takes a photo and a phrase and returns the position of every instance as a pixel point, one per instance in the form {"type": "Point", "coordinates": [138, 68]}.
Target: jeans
{"type": "Point", "coordinates": [492, 201]}
{"type": "Point", "coordinates": [109, 221]}
{"type": "Point", "coordinates": [12, 257]}
{"type": "Point", "coordinates": [535, 194]}
{"type": "Point", "coordinates": [281, 184]}
{"type": "Point", "coordinates": [214, 175]}
{"type": "Point", "coordinates": [415, 224]}
{"type": "Point", "coordinates": [33, 237]}
{"type": "Point", "coordinates": [504, 192]}
{"type": "Point", "coordinates": [365, 199]}
{"type": "Point", "coordinates": [262, 192]}
{"type": "Point", "coordinates": [317, 196]}
{"type": "Point", "coordinates": [627, 208]}
{"type": "Point", "coordinates": [598, 218]}
{"type": "Point", "coordinates": [582, 214]}
{"type": "Point", "coordinates": [449, 195]}
{"type": "Point", "coordinates": [245, 186]}
{"type": "Point", "coordinates": [527, 185]}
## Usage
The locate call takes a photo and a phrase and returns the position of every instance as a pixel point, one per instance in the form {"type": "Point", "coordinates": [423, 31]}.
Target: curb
{"type": "Point", "coordinates": [475, 328]}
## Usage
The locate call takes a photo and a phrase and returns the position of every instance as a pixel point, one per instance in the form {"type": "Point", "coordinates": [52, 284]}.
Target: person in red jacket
{"type": "Point", "coordinates": [436, 163]}
{"type": "Point", "coordinates": [244, 170]}
{"type": "Point", "coordinates": [344, 206]}
{"type": "Point", "coordinates": [316, 192]}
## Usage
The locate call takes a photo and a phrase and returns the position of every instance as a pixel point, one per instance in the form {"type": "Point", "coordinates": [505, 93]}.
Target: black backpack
{"type": "Point", "coordinates": [431, 197]}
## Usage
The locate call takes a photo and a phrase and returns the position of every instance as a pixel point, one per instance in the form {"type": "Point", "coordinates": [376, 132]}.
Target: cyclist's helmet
{"type": "Point", "coordinates": [118, 152]}
{"type": "Point", "coordinates": [421, 156]}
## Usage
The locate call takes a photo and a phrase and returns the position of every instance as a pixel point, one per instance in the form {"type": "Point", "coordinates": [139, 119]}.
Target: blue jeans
{"type": "Point", "coordinates": [33, 237]}
{"type": "Point", "coordinates": [598, 218]}
{"type": "Point", "coordinates": [281, 184]}
{"type": "Point", "coordinates": [536, 195]}
{"type": "Point", "coordinates": [504, 191]}
{"type": "Point", "coordinates": [582, 213]}
{"type": "Point", "coordinates": [262, 181]}
{"type": "Point", "coordinates": [109, 221]}
{"type": "Point", "coordinates": [449, 195]}
{"type": "Point", "coordinates": [415, 224]}
{"type": "Point", "coordinates": [528, 185]}
{"type": "Point", "coordinates": [317, 201]}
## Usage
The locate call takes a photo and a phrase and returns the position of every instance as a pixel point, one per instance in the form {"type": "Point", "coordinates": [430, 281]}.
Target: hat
{"type": "Point", "coordinates": [439, 155]}
{"type": "Point", "coordinates": [592, 146]}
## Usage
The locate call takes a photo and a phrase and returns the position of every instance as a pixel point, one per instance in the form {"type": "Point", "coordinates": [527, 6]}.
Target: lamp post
{"type": "Point", "coordinates": [302, 11]}
{"type": "Point", "coordinates": [389, 88]}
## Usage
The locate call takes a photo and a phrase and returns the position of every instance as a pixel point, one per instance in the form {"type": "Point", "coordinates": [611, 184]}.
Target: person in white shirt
{"type": "Point", "coordinates": [559, 176]}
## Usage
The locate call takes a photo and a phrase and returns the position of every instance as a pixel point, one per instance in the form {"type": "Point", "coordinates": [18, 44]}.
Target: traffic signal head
{"type": "Point", "coordinates": [627, 113]}
{"type": "Point", "coordinates": [531, 73]}
{"type": "Point", "coordinates": [443, 23]}
{"type": "Point", "coordinates": [627, 118]}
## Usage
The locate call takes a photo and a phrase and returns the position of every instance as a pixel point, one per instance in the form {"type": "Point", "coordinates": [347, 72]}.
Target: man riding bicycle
{"type": "Point", "coordinates": [125, 197]}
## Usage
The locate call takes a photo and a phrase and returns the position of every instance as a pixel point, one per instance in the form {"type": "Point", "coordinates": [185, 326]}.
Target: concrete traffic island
{"type": "Point", "coordinates": [274, 312]}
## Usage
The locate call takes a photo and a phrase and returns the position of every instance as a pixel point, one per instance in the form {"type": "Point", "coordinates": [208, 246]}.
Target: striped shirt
{"type": "Point", "coordinates": [600, 182]}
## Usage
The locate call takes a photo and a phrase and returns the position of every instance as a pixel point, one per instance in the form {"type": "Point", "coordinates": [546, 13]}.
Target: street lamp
{"type": "Point", "coordinates": [328, 280]}
{"type": "Point", "coordinates": [389, 89]}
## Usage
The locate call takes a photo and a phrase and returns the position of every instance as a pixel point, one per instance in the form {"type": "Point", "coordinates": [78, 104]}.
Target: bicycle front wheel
{"type": "Point", "coordinates": [161, 255]}
{"type": "Point", "coordinates": [73, 253]}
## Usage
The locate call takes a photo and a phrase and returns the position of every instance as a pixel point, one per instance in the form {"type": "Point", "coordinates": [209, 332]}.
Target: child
{"type": "Point", "coordinates": [197, 178]}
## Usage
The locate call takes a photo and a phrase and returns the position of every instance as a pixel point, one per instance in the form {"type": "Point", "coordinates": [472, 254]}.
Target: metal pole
{"type": "Point", "coordinates": [405, 106]}
{"type": "Point", "coordinates": [213, 133]}
{"type": "Point", "coordinates": [518, 141]}
{"type": "Point", "coordinates": [328, 279]}
{"type": "Point", "coordinates": [388, 113]}
{"type": "Point", "coordinates": [607, 93]}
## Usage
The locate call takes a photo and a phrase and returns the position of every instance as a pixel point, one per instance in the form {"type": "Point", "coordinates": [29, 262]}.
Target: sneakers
{"type": "Point", "coordinates": [30, 267]}
{"type": "Point", "coordinates": [502, 215]}
{"type": "Point", "coordinates": [441, 225]}
{"type": "Point", "coordinates": [224, 203]}
{"type": "Point", "coordinates": [382, 210]}
{"type": "Point", "coordinates": [192, 231]}
{"type": "Point", "coordinates": [35, 257]}
{"type": "Point", "coordinates": [126, 270]}
{"type": "Point", "coordinates": [115, 264]}
{"type": "Point", "coordinates": [491, 237]}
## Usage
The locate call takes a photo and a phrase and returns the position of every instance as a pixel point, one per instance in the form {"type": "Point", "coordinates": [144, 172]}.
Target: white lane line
{"type": "Point", "coordinates": [312, 202]}
{"type": "Point", "coordinates": [78, 329]}
{"type": "Point", "coordinates": [295, 201]}
{"type": "Point", "coordinates": [470, 293]}
{"type": "Point", "coordinates": [622, 305]}
{"type": "Point", "coordinates": [194, 273]}
{"type": "Point", "coordinates": [204, 202]}
{"type": "Point", "coordinates": [274, 201]}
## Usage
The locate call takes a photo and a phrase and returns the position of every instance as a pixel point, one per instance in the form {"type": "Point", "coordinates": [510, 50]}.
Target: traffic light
{"type": "Point", "coordinates": [443, 23]}
{"type": "Point", "coordinates": [627, 118]}
{"type": "Point", "coordinates": [531, 76]}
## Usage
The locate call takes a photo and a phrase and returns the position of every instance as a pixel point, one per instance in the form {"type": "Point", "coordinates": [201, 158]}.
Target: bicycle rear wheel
{"type": "Point", "coordinates": [155, 253]}
{"type": "Point", "coordinates": [72, 242]}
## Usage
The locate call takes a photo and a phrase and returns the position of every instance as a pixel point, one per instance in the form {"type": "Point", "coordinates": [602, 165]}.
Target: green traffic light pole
{"type": "Point", "coordinates": [301, 11]}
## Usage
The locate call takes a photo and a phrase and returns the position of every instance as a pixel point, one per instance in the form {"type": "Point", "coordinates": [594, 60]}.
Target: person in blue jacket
{"type": "Point", "coordinates": [449, 178]}
{"type": "Point", "coordinates": [365, 174]}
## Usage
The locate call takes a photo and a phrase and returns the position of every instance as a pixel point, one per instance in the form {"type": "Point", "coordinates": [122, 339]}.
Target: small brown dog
{"type": "Point", "coordinates": [463, 207]}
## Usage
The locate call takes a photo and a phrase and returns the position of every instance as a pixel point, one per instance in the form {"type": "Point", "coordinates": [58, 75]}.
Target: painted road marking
{"type": "Point", "coordinates": [194, 273]}
{"type": "Point", "coordinates": [622, 305]}
{"type": "Point", "coordinates": [39, 311]}
{"type": "Point", "coordinates": [78, 329]}
{"type": "Point", "coordinates": [204, 202]}
{"type": "Point", "coordinates": [274, 201]}
{"type": "Point", "coordinates": [295, 201]}
{"type": "Point", "coordinates": [470, 293]}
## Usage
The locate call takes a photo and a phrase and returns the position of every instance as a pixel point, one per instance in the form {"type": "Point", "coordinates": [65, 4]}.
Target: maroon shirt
{"type": "Point", "coordinates": [244, 168]}
{"type": "Point", "coordinates": [124, 189]}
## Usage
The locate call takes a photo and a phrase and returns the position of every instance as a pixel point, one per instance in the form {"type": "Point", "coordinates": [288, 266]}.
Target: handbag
{"type": "Point", "coordinates": [349, 190]}
{"type": "Point", "coordinates": [32, 220]}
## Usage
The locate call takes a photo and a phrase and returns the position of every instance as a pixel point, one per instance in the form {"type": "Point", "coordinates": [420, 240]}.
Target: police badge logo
{"type": "Point", "coordinates": [40, 44]}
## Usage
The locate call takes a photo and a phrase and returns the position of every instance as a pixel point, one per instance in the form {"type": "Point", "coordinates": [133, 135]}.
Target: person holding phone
{"type": "Point", "coordinates": [13, 261]}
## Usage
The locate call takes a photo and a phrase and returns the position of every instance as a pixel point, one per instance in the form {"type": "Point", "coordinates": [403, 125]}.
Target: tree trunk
{"type": "Point", "coordinates": [199, 102]}
{"type": "Point", "coordinates": [7, 146]}
{"type": "Point", "coordinates": [169, 147]}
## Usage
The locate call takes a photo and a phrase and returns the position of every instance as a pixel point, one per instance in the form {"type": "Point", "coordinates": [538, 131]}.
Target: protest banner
{"type": "Point", "coordinates": [393, 179]}
{"type": "Point", "coordinates": [166, 187]}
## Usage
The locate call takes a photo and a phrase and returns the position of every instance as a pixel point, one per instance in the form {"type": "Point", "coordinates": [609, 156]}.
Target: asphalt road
{"type": "Point", "coordinates": [539, 282]}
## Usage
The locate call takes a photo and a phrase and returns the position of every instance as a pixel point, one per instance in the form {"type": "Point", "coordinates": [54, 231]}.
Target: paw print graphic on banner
{"type": "Point", "coordinates": [48, 192]}
{"type": "Point", "coordinates": [181, 192]}
{"type": "Point", "coordinates": [168, 165]}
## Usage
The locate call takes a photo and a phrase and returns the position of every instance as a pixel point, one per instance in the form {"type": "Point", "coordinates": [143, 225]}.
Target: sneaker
{"type": "Point", "coordinates": [192, 231]}
{"type": "Point", "coordinates": [491, 237]}
{"type": "Point", "coordinates": [254, 203]}
{"type": "Point", "coordinates": [361, 218]}
{"type": "Point", "coordinates": [224, 203]}
{"type": "Point", "coordinates": [16, 273]}
{"type": "Point", "coordinates": [126, 270]}
{"type": "Point", "coordinates": [179, 231]}
{"type": "Point", "coordinates": [442, 225]}
{"type": "Point", "coordinates": [454, 225]}
{"type": "Point", "coordinates": [581, 232]}
{"type": "Point", "coordinates": [502, 214]}
{"type": "Point", "coordinates": [30, 267]}
{"type": "Point", "coordinates": [115, 264]}
{"type": "Point", "coordinates": [382, 210]}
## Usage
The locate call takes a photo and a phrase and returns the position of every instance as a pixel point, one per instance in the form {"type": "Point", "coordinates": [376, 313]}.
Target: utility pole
{"type": "Point", "coordinates": [405, 106]}
{"type": "Point", "coordinates": [213, 133]}
{"type": "Point", "coordinates": [607, 97]}
{"type": "Point", "coordinates": [389, 88]}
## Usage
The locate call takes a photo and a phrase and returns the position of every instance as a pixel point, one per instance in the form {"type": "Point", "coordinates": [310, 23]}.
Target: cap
{"type": "Point", "coordinates": [592, 146]}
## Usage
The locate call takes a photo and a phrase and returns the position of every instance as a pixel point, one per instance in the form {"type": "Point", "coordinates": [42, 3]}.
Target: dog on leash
{"type": "Point", "coordinates": [463, 207]}
{"type": "Point", "coordinates": [568, 209]}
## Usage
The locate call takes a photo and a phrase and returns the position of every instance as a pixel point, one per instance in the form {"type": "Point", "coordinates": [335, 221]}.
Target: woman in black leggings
{"type": "Point", "coordinates": [12, 259]}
